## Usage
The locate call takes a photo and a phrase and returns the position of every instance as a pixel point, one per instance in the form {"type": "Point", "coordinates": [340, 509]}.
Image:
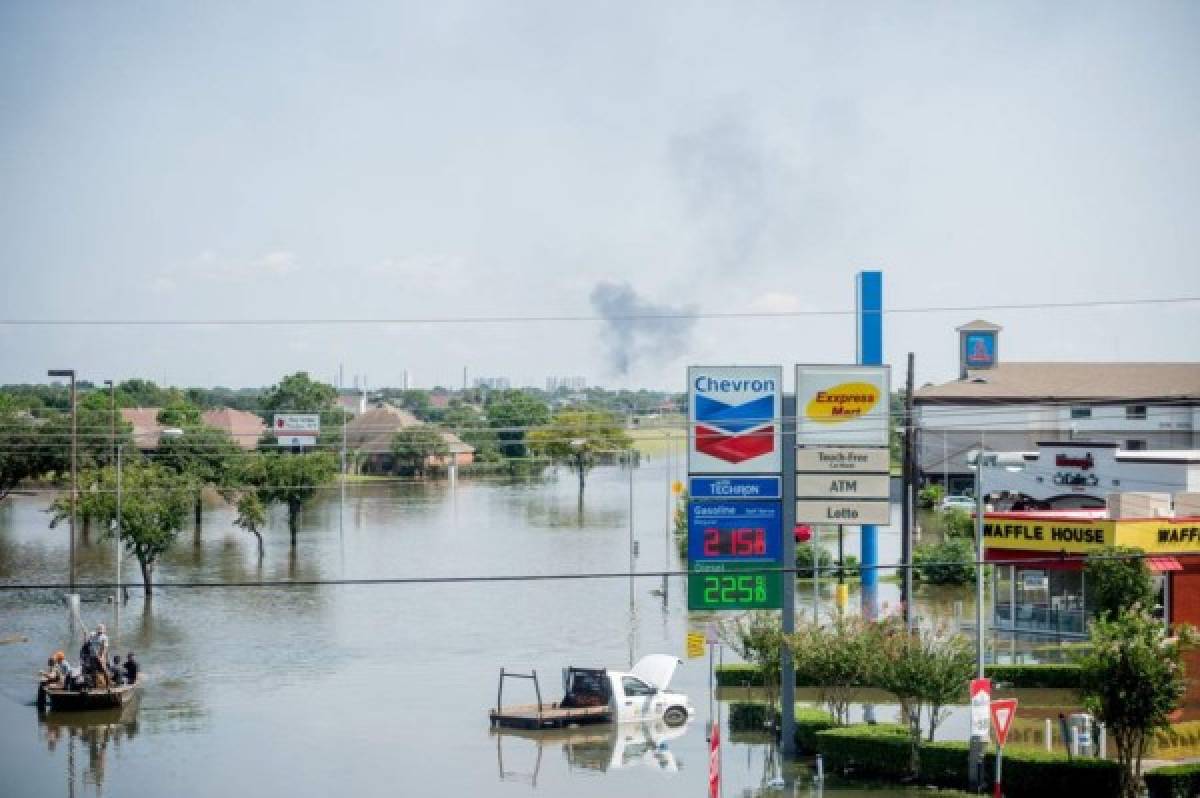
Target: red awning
{"type": "Point", "coordinates": [1161, 564]}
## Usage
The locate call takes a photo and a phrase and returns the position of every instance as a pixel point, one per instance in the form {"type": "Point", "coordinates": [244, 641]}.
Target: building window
{"type": "Point", "coordinates": [1135, 446]}
{"type": "Point", "coordinates": [1135, 412]}
{"type": "Point", "coordinates": [1081, 412]}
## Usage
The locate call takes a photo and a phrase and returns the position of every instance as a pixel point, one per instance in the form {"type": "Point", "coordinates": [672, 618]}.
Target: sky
{"type": "Point", "coordinates": [314, 161]}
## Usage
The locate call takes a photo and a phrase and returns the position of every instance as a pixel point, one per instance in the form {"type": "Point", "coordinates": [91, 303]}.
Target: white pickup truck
{"type": "Point", "coordinates": [601, 695]}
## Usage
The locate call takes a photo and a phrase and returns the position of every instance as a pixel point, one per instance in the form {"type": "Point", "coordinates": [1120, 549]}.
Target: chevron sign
{"type": "Point", "coordinates": [734, 419]}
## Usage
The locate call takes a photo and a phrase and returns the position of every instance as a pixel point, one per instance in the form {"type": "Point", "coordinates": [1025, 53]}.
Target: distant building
{"type": "Point", "coordinates": [369, 437]}
{"type": "Point", "coordinates": [245, 428]}
{"type": "Point", "coordinates": [1014, 406]}
{"type": "Point", "coordinates": [146, 430]}
{"type": "Point", "coordinates": [493, 383]}
{"type": "Point", "coordinates": [569, 384]}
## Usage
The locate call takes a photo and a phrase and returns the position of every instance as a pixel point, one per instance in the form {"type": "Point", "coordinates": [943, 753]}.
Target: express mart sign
{"type": "Point", "coordinates": [733, 419]}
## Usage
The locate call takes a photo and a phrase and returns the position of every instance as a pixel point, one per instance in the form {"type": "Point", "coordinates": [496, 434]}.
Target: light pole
{"type": "Point", "coordinates": [112, 418]}
{"type": "Point", "coordinates": [72, 596]}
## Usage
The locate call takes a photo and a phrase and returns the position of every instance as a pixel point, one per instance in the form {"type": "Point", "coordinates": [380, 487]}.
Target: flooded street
{"type": "Point", "coordinates": [373, 689]}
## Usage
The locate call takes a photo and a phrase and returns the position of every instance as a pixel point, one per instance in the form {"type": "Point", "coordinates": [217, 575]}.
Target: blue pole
{"type": "Point", "coordinates": [869, 330]}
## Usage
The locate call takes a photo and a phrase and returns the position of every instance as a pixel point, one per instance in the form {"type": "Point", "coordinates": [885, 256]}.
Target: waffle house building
{"type": "Point", "coordinates": [1040, 586]}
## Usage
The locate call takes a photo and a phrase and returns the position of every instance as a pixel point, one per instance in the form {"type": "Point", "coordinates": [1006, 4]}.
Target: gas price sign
{"type": "Point", "coordinates": [735, 531]}
{"type": "Point", "coordinates": [730, 544]}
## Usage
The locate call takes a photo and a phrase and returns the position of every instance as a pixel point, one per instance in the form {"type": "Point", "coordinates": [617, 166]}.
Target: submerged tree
{"type": "Point", "coordinates": [288, 479]}
{"type": "Point", "coordinates": [576, 436]}
{"type": "Point", "coordinates": [757, 637]}
{"type": "Point", "coordinates": [154, 505]}
{"type": "Point", "coordinates": [838, 658]}
{"type": "Point", "coordinates": [252, 517]}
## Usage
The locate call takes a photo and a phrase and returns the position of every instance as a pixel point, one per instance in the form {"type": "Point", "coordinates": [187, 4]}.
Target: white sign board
{"type": "Point", "coordinates": [853, 512]}
{"type": "Point", "coordinates": [297, 424]}
{"type": "Point", "coordinates": [842, 405]}
{"type": "Point", "coordinates": [843, 486]}
{"type": "Point", "coordinates": [843, 460]}
{"type": "Point", "coordinates": [734, 419]}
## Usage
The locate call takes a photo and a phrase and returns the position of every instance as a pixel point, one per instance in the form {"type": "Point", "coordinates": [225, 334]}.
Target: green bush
{"type": "Point", "coordinates": [748, 716]}
{"type": "Point", "coordinates": [752, 716]}
{"type": "Point", "coordinates": [958, 523]}
{"type": "Point", "coordinates": [883, 752]}
{"type": "Point", "coordinates": [1028, 772]}
{"type": "Point", "coordinates": [1176, 781]}
{"type": "Point", "coordinates": [809, 723]}
{"type": "Point", "coordinates": [951, 562]}
{"type": "Point", "coordinates": [1065, 677]}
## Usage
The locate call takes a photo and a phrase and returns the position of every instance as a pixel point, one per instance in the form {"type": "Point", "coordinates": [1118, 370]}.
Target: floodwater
{"type": "Point", "coordinates": [372, 689]}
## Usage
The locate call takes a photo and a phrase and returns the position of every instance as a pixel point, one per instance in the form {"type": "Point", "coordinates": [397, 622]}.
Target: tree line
{"type": "Point", "coordinates": [162, 488]}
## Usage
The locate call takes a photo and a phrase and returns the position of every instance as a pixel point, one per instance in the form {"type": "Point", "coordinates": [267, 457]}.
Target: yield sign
{"type": "Point", "coordinates": [1003, 712]}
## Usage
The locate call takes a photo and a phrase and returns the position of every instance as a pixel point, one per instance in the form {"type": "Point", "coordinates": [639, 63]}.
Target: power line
{"type": "Point", "coordinates": [1050, 558]}
{"type": "Point", "coordinates": [680, 315]}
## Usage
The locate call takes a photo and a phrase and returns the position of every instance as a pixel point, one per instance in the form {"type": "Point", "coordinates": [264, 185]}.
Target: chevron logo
{"type": "Point", "coordinates": [735, 433]}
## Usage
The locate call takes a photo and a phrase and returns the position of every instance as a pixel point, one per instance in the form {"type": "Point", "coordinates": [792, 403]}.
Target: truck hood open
{"type": "Point", "coordinates": [656, 669]}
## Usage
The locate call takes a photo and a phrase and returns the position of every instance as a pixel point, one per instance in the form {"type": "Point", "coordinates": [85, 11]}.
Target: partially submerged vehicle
{"type": "Point", "coordinates": [600, 695]}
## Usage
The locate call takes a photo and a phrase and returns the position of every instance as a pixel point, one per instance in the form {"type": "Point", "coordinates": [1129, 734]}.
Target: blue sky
{"type": "Point", "coordinates": [305, 161]}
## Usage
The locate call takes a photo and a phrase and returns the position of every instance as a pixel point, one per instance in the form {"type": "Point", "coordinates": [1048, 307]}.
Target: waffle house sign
{"type": "Point", "coordinates": [1047, 532]}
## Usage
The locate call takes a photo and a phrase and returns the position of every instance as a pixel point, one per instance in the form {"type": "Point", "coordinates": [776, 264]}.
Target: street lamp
{"type": "Point", "coordinates": [112, 395]}
{"type": "Point", "coordinates": [70, 374]}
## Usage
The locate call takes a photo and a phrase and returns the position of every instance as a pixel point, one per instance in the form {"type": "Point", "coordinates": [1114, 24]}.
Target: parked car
{"type": "Point", "coordinates": [958, 503]}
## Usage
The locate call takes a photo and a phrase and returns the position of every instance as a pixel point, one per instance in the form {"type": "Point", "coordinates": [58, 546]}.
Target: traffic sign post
{"type": "Point", "coordinates": [981, 698]}
{"type": "Point", "coordinates": [1003, 710]}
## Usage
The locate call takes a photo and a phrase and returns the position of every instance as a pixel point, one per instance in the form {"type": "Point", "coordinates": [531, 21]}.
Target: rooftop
{"type": "Point", "coordinates": [1083, 382]}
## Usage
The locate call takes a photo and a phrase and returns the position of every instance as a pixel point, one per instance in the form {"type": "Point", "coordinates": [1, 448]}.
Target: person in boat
{"type": "Point", "coordinates": [50, 677]}
{"type": "Point", "coordinates": [98, 645]}
{"type": "Point", "coordinates": [131, 669]}
{"type": "Point", "coordinates": [118, 673]}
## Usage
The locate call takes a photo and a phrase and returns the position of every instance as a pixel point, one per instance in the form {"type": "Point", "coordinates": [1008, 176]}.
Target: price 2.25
{"type": "Point", "coordinates": [735, 589]}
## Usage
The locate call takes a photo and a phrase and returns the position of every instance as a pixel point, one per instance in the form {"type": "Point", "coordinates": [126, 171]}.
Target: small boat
{"type": "Point", "coordinates": [60, 700]}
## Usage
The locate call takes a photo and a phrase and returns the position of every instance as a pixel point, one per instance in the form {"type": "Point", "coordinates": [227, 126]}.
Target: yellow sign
{"type": "Point", "coordinates": [1046, 534]}
{"type": "Point", "coordinates": [844, 402]}
{"type": "Point", "coordinates": [695, 645]}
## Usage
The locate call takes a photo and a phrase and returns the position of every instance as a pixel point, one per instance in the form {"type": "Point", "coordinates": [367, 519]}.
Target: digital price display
{"type": "Point", "coordinates": [735, 531]}
{"type": "Point", "coordinates": [734, 548]}
{"type": "Point", "coordinates": [731, 586]}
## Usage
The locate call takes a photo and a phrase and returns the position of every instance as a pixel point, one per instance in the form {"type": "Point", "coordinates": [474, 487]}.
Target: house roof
{"type": "Point", "coordinates": [371, 432]}
{"type": "Point", "coordinates": [456, 445]}
{"type": "Point", "coordinates": [146, 429]}
{"type": "Point", "coordinates": [1083, 382]}
{"type": "Point", "coordinates": [245, 428]}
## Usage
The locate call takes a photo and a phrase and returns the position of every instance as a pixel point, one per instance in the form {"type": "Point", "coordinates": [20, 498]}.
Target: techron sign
{"type": "Point", "coordinates": [733, 419]}
{"type": "Point", "coordinates": [842, 405]}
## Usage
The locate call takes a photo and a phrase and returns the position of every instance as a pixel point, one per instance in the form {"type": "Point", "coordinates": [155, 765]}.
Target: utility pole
{"type": "Point", "coordinates": [117, 592]}
{"type": "Point", "coordinates": [978, 744]}
{"type": "Point", "coordinates": [72, 596]}
{"type": "Point", "coordinates": [906, 498]}
{"type": "Point", "coordinates": [787, 687]}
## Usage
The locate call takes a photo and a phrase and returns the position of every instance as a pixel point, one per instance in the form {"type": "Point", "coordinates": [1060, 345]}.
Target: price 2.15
{"type": "Point", "coordinates": [735, 589]}
{"type": "Point", "coordinates": [735, 542]}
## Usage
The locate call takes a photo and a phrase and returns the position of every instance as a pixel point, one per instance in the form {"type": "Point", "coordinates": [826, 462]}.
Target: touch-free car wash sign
{"type": "Point", "coordinates": [733, 419]}
{"type": "Point", "coordinates": [842, 405]}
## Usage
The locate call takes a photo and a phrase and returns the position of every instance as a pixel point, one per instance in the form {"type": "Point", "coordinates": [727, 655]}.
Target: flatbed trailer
{"type": "Point", "coordinates": [547, 716]}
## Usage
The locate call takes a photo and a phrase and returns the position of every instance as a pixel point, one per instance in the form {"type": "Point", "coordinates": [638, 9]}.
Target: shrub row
{"type": "Point", "coordinates": [1057, 676]}
{"type": "Point", "coordinates": [883, 752]}
{"type": "Point", "coordinates": [752, 716]}
{"type": "Point", "coordinates": [1176, 781]}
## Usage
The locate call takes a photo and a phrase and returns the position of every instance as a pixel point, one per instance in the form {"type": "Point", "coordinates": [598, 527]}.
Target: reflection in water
{"type": "Point", "coordinates": [90, 733]}
{"type": "Point", "coordinates": [597, 748]}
